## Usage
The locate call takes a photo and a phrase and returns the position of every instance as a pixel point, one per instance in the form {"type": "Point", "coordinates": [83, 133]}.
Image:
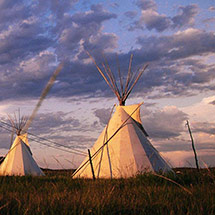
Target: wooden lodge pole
{"type": "Point", "coordinates": [193, 146]}
{"type": "Point", "coordinates": [91, 164]}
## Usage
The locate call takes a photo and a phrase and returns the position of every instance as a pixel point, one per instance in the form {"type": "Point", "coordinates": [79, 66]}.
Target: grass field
{"type": "Point", "coordinates": [190, 192]}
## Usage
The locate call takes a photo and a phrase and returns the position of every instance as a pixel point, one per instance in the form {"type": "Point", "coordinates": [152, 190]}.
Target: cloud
{"type": "Point", "coordinates": [152, 19]}
{"type": "Point", "coordinates": [56, 8]}
{"type": "Point", "coordinates": [83, 30]}
{"type": "Point", "coordinates": [58, 127]}
{"type": "Point", "coordinates": [212, 8]}
{"type": "Point", "coordinates": [104, 115]}
{"type": "Point", "coordinates": [114, 5]}
{"type": "Point", "coordinates": [177, 45]}
{"type": "Point", "coordinates": [201, 110]}
{"type": "Point", "coordinates": [186, 16]}
{"type": "Point", "coordinates": [174, 65]}
{"type": "Point", "coordinates": [130, 14]}
{"type": "Point", "coordinates": [146, 4]}
{"type": "Point", "coordinates": [96, 15]}
{"type": "Point", "coordinates": [29, 77]}
{"type": "Point", "coordinates": [16, 8]}
{"type": "Point", "coordinates": [209, 20]}
{"type": "Point", "coordinates": [21, 40]}
{"type": "Point", "coordinates": [54, 122]}
{"type": "Point", "coordinates": [165, 123]}
{"type": "Point", "coordinates": [170, 135]}
{"type": "Point", "coordinates": [5, 136]}
{"type": "Point", "coordinates": [186, 158]}
{"type": "Point", "coordinates": [31, 46]}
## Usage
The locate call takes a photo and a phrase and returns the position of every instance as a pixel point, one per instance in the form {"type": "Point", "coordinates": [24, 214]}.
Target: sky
{"type": "Point", "coordinates": [175, 38]}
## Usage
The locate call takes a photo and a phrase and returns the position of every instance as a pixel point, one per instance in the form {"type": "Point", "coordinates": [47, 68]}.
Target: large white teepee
{"type": "Point", "coordinates": [122, 149]}
{"type": "Point", "coordinates": [19, 160]}
{"type": "Point", "coordinates": [127, 152]}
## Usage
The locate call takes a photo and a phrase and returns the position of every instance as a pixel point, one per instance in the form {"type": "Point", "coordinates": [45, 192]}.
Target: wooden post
{"type": "Point", "coordinates": [91, 164]}
{"type": "Point", "coordinates": [193, 146]}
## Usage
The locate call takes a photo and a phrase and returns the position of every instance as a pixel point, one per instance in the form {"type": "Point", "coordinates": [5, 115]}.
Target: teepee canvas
{"type": "Point", "coordinates": [19, 160]}
{"type": "Point", "coordinates": [122, 149]}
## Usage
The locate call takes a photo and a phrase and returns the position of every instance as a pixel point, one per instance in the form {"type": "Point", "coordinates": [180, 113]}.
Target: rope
{"type": "Point", "coordinates": [40, 139]}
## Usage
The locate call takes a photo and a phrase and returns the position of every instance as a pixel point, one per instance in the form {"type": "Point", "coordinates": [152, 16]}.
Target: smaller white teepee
{"type": "Point", "coordinates": [19, 160]}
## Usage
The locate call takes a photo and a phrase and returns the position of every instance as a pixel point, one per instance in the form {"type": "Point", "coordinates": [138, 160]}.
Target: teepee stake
{"type": "Point", "coordinates": [91, 164]}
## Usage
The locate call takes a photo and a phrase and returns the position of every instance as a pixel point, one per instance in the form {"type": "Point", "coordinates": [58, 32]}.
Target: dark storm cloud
{"type": "Point", "coordinates": [131, 14]}
{"type": "Point", "coordinates": [60, 127]}
{"type": "Point", "coordinates": [5, 139]}
{"type": "Point", "coordinates": [114, 5]}
{"type": "Point", "coordinates": [28, 79]}
{"type": "Point", "coordinates": [204, 127]}
{"type": "Point", "coordinates": [96, 15]}
{"type": "Point", "coordinates": [83, 31]}
{"type": "Point", "coordinates": [209, 20]}
{"type": "Point", "coordinates": [176, 144]}
{"type": "Point", "coordinates": [59, 140]}
{"type": "Point", "coordinates": [166, 123]}
{"type": "Point", "coordinates": [16, 8]}
{"type": "Point", "coordinates": [146, 4]}
{"type": "Point", "coordinates": [151, 19]}
{"type": "Point", "coordinates": [170, 63]}
{"type": "Point", "coordinates": [5, 134]}
{"type": "Point", "coordinates": [31, 46]}
{"type": "Point", "coordinates": [103, 115]}
{"type": "Point", "coordinates": [57, 127]}
{"type": "Point", "coordinates": [82, 80]}
{"type": "Point", "coordinates": [21, 40]}
{"type": "Point", "coordinates": [179, 45]}
{"type": "Point", "coordinates": [186, 16]}
{"type": "Point", "coordinates": [55, 8]}
{"type": "Point", "coordinates": [170, 66]}
{"type": "Point", "coordinates": [52, 122]}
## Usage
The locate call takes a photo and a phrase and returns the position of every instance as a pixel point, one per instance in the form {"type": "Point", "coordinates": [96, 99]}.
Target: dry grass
{"type": "Point", "coordinates": [58, 193]}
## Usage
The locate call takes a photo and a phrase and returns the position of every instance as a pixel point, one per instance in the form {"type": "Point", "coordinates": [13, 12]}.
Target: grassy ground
{"type": "Point", "coordinates": [190, 192]}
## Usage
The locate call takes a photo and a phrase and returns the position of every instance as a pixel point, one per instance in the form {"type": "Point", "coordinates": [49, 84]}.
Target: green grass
{"type": "Point", "coordinates": [58, 193]}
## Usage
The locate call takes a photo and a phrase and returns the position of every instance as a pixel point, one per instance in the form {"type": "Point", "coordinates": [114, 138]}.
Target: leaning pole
{"type": "Point", "coordinates": [193, 146]}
